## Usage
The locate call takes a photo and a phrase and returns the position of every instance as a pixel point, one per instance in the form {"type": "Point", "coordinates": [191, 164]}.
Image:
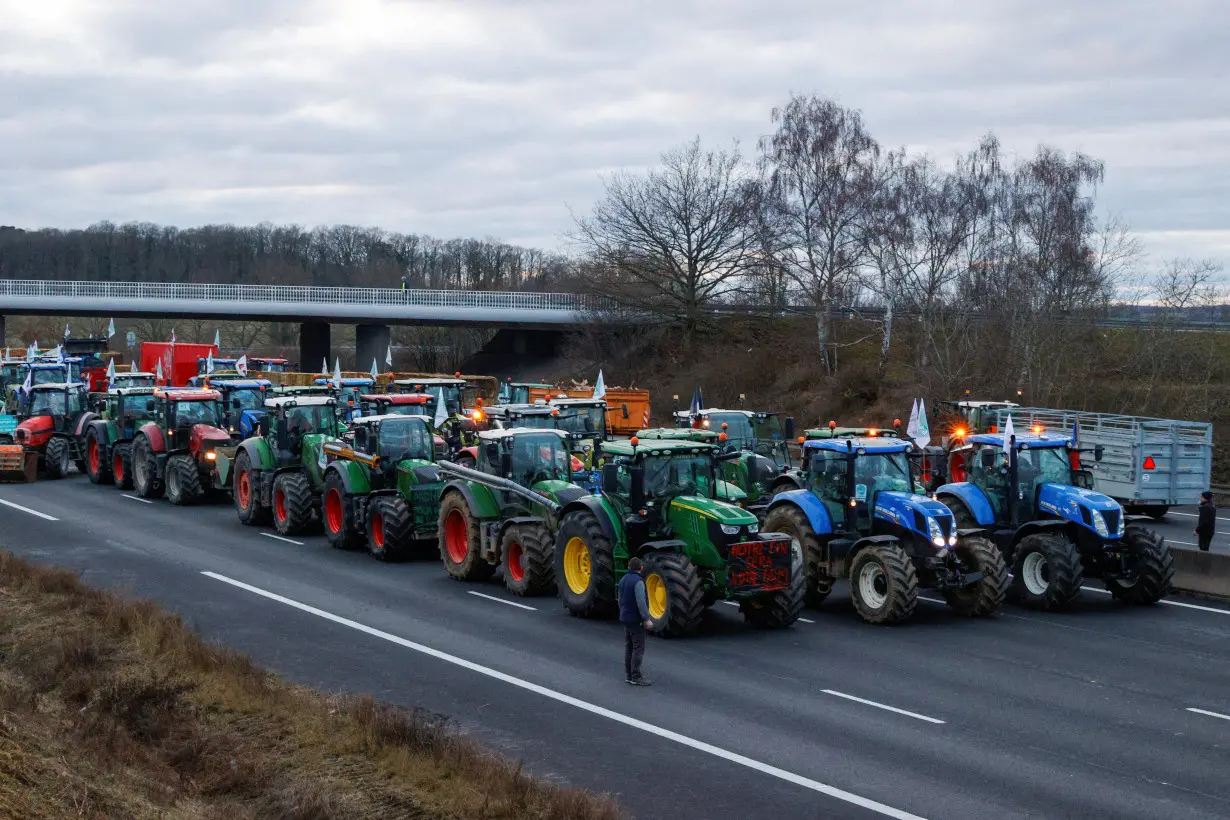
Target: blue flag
{"type": "Point", "coordinates": [698, 402]}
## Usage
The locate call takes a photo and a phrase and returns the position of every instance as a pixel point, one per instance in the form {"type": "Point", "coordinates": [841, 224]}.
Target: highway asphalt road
{"type": "Point", "coordinates": [1109, 711]}
{"type": "Point", "coordinates": [1179, 522]}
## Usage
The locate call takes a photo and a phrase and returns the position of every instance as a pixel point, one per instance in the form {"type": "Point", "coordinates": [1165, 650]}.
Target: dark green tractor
{"type": "Point", "coordinates": [382, 487]}
{"type": "Point", "coordinates": [762, 467]}
{"type": "Point", "coordinates": [278, 474]}
{"type": "Point", "coordinates": [504, 511]}
{"type": "Point", "coordinates": [108, 435]}
{"type": "Point", "coordinates": [659, 501]}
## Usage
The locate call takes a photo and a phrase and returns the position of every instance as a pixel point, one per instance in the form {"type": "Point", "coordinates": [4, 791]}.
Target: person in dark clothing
{"type": "Point", "coordinates": [1206, 524]}
{"type": "Point", "coordinates": [634, 614]}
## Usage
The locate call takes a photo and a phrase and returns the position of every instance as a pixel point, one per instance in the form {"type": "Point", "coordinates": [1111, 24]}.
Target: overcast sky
{"type": "Point", "coordinates": [492, 119]}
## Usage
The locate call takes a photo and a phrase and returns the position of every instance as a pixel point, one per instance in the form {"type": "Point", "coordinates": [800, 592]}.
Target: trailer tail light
{"type": "Point", "coordinates": [1150, 464]}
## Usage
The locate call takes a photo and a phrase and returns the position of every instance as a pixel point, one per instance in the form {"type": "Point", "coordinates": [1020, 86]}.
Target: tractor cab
{"type": "Point", "coordinates": [185, 413]}
{"type": "Point", "coordinates": [303, 390]}
{"type": "Point", "coordinates": [51, 406]}
{"type": "Point", "coordinates": [387, 443]}
{"type": "Point", "coordinates": [54, 372]}
{"type": "Point", "coordinates": [512, 392]}
{"type": "Point", "coordinates": [525, 455]}
{"type": "Point", "coordinates": [966, 418]}
{"type": "Point", "coordinates": [452, 390]}
{"type": "Point", "coordinates": [348, 392]}
{"type": "Point", "coordinates": [220, 366]}
{"type": "Point", "coordinates": [395, 404]}
{"type": "Point", "coordinates": [288, 420]}
{"type": "Point", "coordinates": [832, 431]}
{"type": "Point", "coordinates": [129, 408]}
{"type": "Point", "coordinates": [128, 379]}
{"type": "Point", "coordinates": [584, 418]}
{"type": "Point", "coordinates": [848, 477]}
{"type": "Point", "coordinates": [760, 440]}
{"type": "Point", "coordinates": [262, 364]}
{"type": "Point", "coordinates": [243, 404]}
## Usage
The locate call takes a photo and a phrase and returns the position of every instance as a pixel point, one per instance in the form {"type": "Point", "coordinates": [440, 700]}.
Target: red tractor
{"type": "Point", "coordinates": [50, 415]}
{"type": "Point", "coordinates": [175, 453]}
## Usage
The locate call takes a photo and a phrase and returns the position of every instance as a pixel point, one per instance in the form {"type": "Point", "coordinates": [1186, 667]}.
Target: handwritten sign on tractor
{"type": "Point", "coordinates": [756, 566]}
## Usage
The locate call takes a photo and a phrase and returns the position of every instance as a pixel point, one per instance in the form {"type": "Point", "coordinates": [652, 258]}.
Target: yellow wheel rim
{"type": "Point", "coordinates": [577, 568]}
{"type": "Point", "coordinates": [655, 591]}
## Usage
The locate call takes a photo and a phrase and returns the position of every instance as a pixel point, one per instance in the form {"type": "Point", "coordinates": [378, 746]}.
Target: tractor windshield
{"type": "Point", "coordinates": [187, 413]}
{"type": "Point", "coordinates": [307, 420]}
{"type": "Point", "coordinates": [679, 475]}
{"type": "Point", "coordinates": [540, 457]}
{"type": "Point", "coordinates": [739, 433]}
{"type": "Point", "coordinates": [1043, 465]}
{"type": "Point", "coordinates": [771, 439]}
{"type": "Point", "coordinates": [55, 403]}
{"type": "Point", "coordinates": [400, 439]}
{"type": "Point", "coordinates": [874, 472]}
{"type": "Point", "coordinates": [390, 409]}
{"type": "Point", "coordinates": [265, 366]}
{"type": "Point", "coordinates": [587, 421]}
{"type": "Point", "coordinates": [12, 373]}
{"type": "Point", "coordinates": [248, 399]}
{"type": "Point", "coordinates": [49, 375]}
{"type": "Point", "coordinates": [122, 380]}
{"type": "Point", "coordinates": [535, 421]}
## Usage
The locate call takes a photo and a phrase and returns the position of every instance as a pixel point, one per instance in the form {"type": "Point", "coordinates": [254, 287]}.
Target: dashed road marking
{"type": "Point", "coordinates": [502, 601]}
{"type": "Point", "coordinates": [281, 538]}
{"type": "Point", "coordinates": [138, 498]}
{"type": "Point", "coordinates": [1206, 712]}
{"type": "Point", "coordinates": [884, 706]}
{"type": "Point", "coordinates": [41, 515]}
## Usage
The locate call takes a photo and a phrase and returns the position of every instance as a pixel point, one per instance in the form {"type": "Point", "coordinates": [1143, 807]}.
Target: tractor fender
{"type": "Point", "coordinates": [847, 556]}
{"type": "Point", "coordinates": [102, 430]}
{"type": "Point", "coordinates": [260, 454]}
{"type": "Point", "coordinates": [514, 521]}
{"type": "Point", "coordinates": [83, 421]}
{"type": "Point", "coordinates": [353, 478]}
{"type": "Point", "coordinates": [1034, 527]}
{"type": "Point", "coordinates": [812, 507]}
{"type": "Point", "coordinates": [600, 509]}
{"type": "Point", "coordinates": [665, 545]}
{"type": "Point", "coordinates": [152, 432]}
{"type": "Point", "coordinates": [786, 480]}
{"type": "Point", "coordinates": [974, 499]}
{"type": "Point", "coordinates": [481, 502]}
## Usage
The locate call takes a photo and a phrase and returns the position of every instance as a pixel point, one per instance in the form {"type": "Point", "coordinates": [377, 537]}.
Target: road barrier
{"type": "Point", "coordinates": [1202, 573]}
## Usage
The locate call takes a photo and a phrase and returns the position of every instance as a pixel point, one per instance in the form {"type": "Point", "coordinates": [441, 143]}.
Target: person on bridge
{"type": "Point", "coordinates": [1206, 524]}
{"type": "Point", "coordinates": [634, 614]}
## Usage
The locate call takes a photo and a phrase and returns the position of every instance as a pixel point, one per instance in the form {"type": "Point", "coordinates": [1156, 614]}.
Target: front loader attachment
{"type": "Point", "coordinates": [16, 464]}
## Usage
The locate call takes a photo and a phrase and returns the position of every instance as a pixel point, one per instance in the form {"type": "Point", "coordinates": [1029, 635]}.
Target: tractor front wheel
{"type": "Point", "coordinates": [340, 527]}
{"type": "Point", "coordinates": [97, 466]}
{"type": "Point", "coordinates": [121, 466]}
{"type": "Point", "coordinates": [390, 527]}
{"type": "Point", "coordinates": [883, 584]}
{"type": "Point", "coordinates": [1154, 568]}
{"type": "Point", "coordinates": [247, 493]}
{"type": "Point", "coordinates": [460, 544]}
{"type": "Point", "coordinates": [183, 481]}
{"type": "Point", "coordinates": [790, 520]}
{"type": "Point", "coordinates": [675, 595]}
{"type": "Point", "coordinates": [145, 470]}
{"type": "Point", "coordinates": [1047, 572]}
{"type": "Point", "coordinates": [56, 459]}
{"type": "Point", "coordinates": [585, 566]}
{"type": "Point", "coordinates": [292, 504]}
{"type": "Point", "coordinates": [527, 555]}
{"type": "Point", "coordinates": [775, 610]}
{"type": "Point", "coordinates": [985, 596]}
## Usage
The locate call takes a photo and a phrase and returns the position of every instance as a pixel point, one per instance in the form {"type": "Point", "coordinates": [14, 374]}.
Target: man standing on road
{"type": "Point", "coordinates": [634, 614]}
{"type": "Point", "coordinates": [1206, 525]}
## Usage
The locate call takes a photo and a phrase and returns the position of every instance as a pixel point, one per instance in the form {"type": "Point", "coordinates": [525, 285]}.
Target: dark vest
{"type": "Point", "coordinates": [628, 611]}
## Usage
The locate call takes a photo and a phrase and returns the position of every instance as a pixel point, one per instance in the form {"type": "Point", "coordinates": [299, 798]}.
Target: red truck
{"type": "Point", "coordinates": [179, 360]}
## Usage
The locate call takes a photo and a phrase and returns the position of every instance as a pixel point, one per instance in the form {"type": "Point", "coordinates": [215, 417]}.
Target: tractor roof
{"type": "Point", "coordinates": [398, 399]}
{"type": "Point", "coordinates": [706, 411]}
{"type": "Point", "coordinates": [56, 386]}
{"type": "Point", "coordinates": [132, 374]}
{"type": "Point", "coordinates": [679, 434]}
{"type": "Point", "coordinates": [244, 384]}
{"type": "Point", "coordinates": [657, 447]}
{"type": "Point", "coordinates": [579, 402]}
{"type": "Point", "coordinates": [48, 365]}
{"type": "Point", "coordinates": [304, 390]}
{"type": "Point", "coordinates": [850, 432]}
{"type": "Point", "coordinates": [1023, 439]}
{"type": "Point", "coordinates": [509, 432]}
{"type": "Point", "coordinates": [299, 401]}
{"type": "Point", "coordinates": [132, 391]}
{"type": "Point", "coordinates": [523, 409]}
{"type": "Point", "coordinates": [870, 445]}
{"type": "Point", "coordinates": [187, 394]}
{"type": "Point", "coordinates": [431, 382]}
{"type": "Point", "coordinates": [365, 381]}
{"type": "Point", "coordinates": [388, 417]}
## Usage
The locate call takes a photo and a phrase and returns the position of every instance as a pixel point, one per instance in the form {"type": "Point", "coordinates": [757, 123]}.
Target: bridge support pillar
{"type": "Point", "coordinates": [313, 346]}
{"type": "Point", "coordinates": [370, 342]}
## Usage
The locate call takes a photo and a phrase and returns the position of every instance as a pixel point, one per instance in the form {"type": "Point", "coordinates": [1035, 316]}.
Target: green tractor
{"type": "Point", "coordinates": [762, 467]}
{"type": "Point", "coordinates": [277, 474]}
{"type": "Point", "coordinates": [503, 512]}
{"type": "Point", "coordinates": [383, 487]}
{"type": "Point", "coordinates": [659, 501]}
{"type": "Point", "coordinates": [108, 437]}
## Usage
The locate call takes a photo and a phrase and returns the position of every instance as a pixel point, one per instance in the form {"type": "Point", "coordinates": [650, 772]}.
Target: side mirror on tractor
{"type": "Point", "coordinates": [610, 478]}
{"type": "Point", "coordinates": [986, 457]}
{"type": "Point", "coordinates": [789, 427]}
{"type": "Point", "coordinates": [505, 464]}
{"type": "Point", "coordinates": [263, 425]}
{"type": "Point", "coordinates": [625, 408]}
{"type": "Point", "coordinates": [237, 404]}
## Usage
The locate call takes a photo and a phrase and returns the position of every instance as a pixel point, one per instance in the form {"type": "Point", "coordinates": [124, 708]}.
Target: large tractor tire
{"type": "Point", "coordinates": [790, 520]}
{"type": "Point", "coordinates": [97, 465]}
{"type": "Point", "coordinates": [247, 493]}
{"type": "Point", "coordinates": [145, 479]}
{"type": "Point", "coordinates": [1154, 568]}
{"type": "Point", "coordinates": [528, 557]}
{"type": "Point", "coordinates": [984, 597]}
{"type": "Point", "coordinates": [883, 584]}
{"type": "Point", "coordinates": [56, 460]}
{"type": "Point", "coordinates": [390, 527]}
{"type": "Point", "coordinates": [585, 566]}
{"type": "Point", "coordinates": [675, 594]}
{"type": "Point", "coordinates": [121, 466]}
{"type": "Point", "coordinates": [1047, 572]}
{"type": "Point", "coordinates": [183, 481]}
{"type": "Point", "coordinates": [338, 514]}
{"type": "Point", "coordinates": [292, 504]}
{"type": "Point", "coordinates": [460, 544]}
{"type": "Point", "coordinates": [775, 610]}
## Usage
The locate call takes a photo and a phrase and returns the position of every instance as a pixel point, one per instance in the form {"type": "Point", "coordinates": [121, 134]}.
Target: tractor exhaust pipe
{"type": "Point", "coordinates": [499, 483]}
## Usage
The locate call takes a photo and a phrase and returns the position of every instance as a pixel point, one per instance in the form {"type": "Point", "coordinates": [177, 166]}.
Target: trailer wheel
{"type": "Point", "coordinates": [676, 597]}
{"type": "Point", "coordinates": [883, 584]}
{"type": "Point", "coordinates": [527, 555]}
{"type": "Point", "coordinates": [247, 493]}
{"type": "Point", "coordinates": [56, 459]}
{"type": "Point", "coordinates": [97, 465]}
{"type": "Point", "coordinates": [1047, 572]}
{"type": "Point", "coordinates": [984, 597]}
{"type": "Point", "coordinates": [460, 543]}
{"type": "Point", "coordinates": [183, 481]}
{"type": "Point", "coordinates": [775, 610]}
{"type": "Point", "coordinates": [790, 520]}
{"type": "Point", "coordinates": [121, 466]}
{"type": "Point", "coordinates": [292, 504]}
{"type": "Point", "coordinates": [585, 566]}
{"type": "Point", "coordinates": [1154, 568]}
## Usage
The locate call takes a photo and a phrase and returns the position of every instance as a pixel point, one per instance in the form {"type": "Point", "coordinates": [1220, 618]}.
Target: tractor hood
{"type": "Point", "coordinates": [729, 492]}
{"type": "Point", "coordinates": [1084, 507]}
{"type": "Point", "coordinates": [37, 424]}
{"type": "Point", "coordinates": [561, 492]}
{"type": "Point", "coordinates": [914, 513]}
{"type": "Point", "coordinates": [419, 470]}
{"type": "Point", "coordinates": [202, 433]}
{"type": "Point", "coordinates": [719, 511]}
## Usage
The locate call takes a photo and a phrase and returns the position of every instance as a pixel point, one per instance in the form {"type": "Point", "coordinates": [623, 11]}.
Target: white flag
{"type": "Point", "coordinates": [241, 366]}
{"type": "Point", "coordinates": [60, 355]}
{"type": "Point", "coordinates": [911, 429]}
{"type": "Point", "coordinates": [600, 386]}
{"type": "Point", "coordinates": [30, 353]}
{"type": "Point", "coordinates": [110, 328]}
{"type": "Point", "coordinates": [132, 367]}
{"type": "Point", "coordinates": [923, 436]}
{"type": "Point", "coordinates": [218, 339]}
{"type": "Point", "coordinates": [441, 410]}
{"type": "Point", "coordinates": [388, 356]}
{"type": "Point", "coordinates": [67, 331]}
{"type": "Point", "coordinates": [209, 362]}
{"type": "Point", "coordinates": [324, 368]}
{"type": "Point", "coordinates": [337, 374]}
{"type": "Point", "coordinates": [172, 335]}
{"type": "Point", "coordinates": [375, 370]}
{"type": "Point", "coordinates": [110, 372]}
{"type": "Point", "coordinates": [35, 346]}
{"type": "Point", "coordinates": [29, 382]}
{"type": "Point", "coordinates": [158, 371]}
{"type": "Point", "coordinates": [1008, 434]}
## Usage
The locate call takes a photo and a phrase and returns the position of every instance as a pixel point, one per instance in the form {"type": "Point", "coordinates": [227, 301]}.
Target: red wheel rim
{"type": "Point", "coordinates": [95, 458]}
{"type": "Point", "coordinates": [333, 511]}
{"type": "Point", "coordinates": [378, 529]}
{"type": "Point", "coordinates": [456, 539]}
{"type": "Point", "coordinates": [243, 489]}
{"type": "Point", "coordinates": [515, 567]}
{"type": "Point", "coordinates": [279, 503]}
{"type": "Point", "coordinates": [117, 467]}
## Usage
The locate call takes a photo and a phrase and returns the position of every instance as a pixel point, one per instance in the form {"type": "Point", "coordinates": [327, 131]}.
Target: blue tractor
{"type": "Point", "coordinates": [243, 402]}
{"type": "Point", "coordinates": [859, 517]}
{"type": "Point", "coordinates": [1052, 531]}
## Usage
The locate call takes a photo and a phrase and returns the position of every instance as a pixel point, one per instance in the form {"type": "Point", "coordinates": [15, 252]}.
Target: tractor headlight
{"type": "Point", "coordinates": [952, 540]}
{"type": "Point", "coordinates": [730, 529]}
{"type": "Point", "coordinates": [1099, 524]}
{"type": "Point", "coordinates": [211, 455]}
{"type": "Point", "coordinates": [752, 529]}
{"type": "Point", "coordinates": [934, 531]}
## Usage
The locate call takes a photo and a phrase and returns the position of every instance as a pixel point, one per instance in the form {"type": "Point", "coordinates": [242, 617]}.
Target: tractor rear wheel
{"type": "Point", "coordinates": [390, 527]}
{"type": "Point", "coordinates": [676, 597]}
{"type": "Point", "coordinates": [338, 509]}
{"type": "Point", "coordinates": [292, 504]}
{"type": "Point", "coordinates": [145, 469]}
{"type": "Point", "coordinates": [527, 555]}
{"type": "Point", "coordinates": [247, 492]}
{"type": "Point", "coordinates": [790, 520]}
{"type": "Point", "coordinates": [585, 566]}
{"type": "Point", "coordinates": [982, 597]}
{"type": "Point", "coordinates": [1047, 572]}
{"type": "Point", "coordinates": [97, 465]}
{"type": "Point", "coordinates": [1154, 568]}
{"type": "Point", "coordinates": [460, 542]}
{"type": "Point", "coordinates": [183, 481]}
{"type": "Point", "coordinates": [775, 610]}
{"type": "Point", "coordinates": [883, 584]}
{"type": "Point", "coordinates": [121, 466]}
{"type": "Point", "coordinates": [56, 459]}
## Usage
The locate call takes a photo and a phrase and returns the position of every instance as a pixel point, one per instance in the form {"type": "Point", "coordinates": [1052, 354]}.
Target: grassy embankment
{"type": "Point", "coordinates": [112, 708]}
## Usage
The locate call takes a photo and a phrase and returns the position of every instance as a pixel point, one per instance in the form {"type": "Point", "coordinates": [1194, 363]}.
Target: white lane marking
{"type": "Point", "coordinates": [586, 706]}
{"type": "Point", "coordinates": [806, 621]}
{"type": "Point", "coordinates": [280, 538]}
{"type": "Point", "coordinates": [731, 603]}
{"type": "Point", "coordinates": [502, 601]}
{"type": "Point", "coordinates": [1210, 714]}
{"type": "Point", "coordinates": [1169, 603]}
{"type": "Point", "coordinates": [138, 498]}
{"type": "Point", "coordinates": [932, 600]}
{"type": "Point", "coordinates": [880, 706]}
{"type": "Point", "coordinates": [1191, 515]}
{"type": "Point", "coordinates": [41, 515]}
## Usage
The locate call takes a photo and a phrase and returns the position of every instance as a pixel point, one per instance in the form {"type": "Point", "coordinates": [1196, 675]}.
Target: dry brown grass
{"type": "Point", "coordinates": [112, 708]}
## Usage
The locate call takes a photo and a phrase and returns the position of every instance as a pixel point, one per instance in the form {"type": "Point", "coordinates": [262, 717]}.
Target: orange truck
{"type": "Point", "coordinates": [627, 410]}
